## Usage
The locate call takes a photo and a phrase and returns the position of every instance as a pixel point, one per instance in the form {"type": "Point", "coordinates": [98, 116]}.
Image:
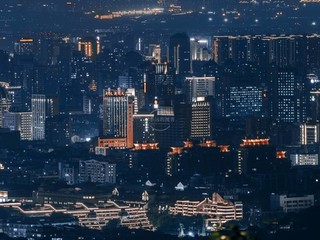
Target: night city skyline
{"type": "Point", "coordinates": [163, 119]}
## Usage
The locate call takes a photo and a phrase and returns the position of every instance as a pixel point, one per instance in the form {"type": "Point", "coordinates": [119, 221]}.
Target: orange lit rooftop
{"type": "Point", "coordinates": [110, 93]}
{"type": "Point", "coordinates": [208, 143]}
{"type": "Point", "coordinates": [224, 148]}
{"type": "Point", "coordinates": [255, 142]}
{"type": "Point", "coordinates": [188, 144]}
{"type": "Point", "coordinates": [281, 154]}
{"type": "Point", "coordinates": [26, 40]}
{"type": "Point", "coordinates": [176, 150]}
{"type": "Point", "coordinates": [145, 146]}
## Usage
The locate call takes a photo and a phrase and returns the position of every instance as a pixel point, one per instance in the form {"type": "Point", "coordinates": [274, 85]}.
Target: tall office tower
{"type": "Point", "coordinates": [164, 88]}
{"type": "Point", "coordinates": [179, 53]}
{"type": "Point", "coordinates": [42, 107]}
{"type": "Point", "coordinates": [24, 46]}
{"type": "Point", "coordinates": [15, 93]}
{"type": "Point", "coordinates": [200, 49]}
{"type": "Point", "coordinates": [201, 119]}
{"type": "Point", "coordinates": [313, 50]}
{"type": "Point", "coordinates": [257, 127]}
{"type": "Point", "coordinates": [19, 121]}
{"type": "Point", "coordinates": [284, 51]}
{"type": "Point", "coordinates": [4, 63]}
{"type": "Point", "coordinates": [143, 131]}
{"type": "Point", "coordinates": [220, 49]}
{"type": "Point", "coordinates": [38, 108]}
{"type": "Point", "coordinates": [52, 52]}
{"type": "Point", "coordinates": [22, 74]}
{"type": "Point", "coordinates": [5, 102]}
{"type": "Point", "coordinates": [89, 46]}
{"type": "Point", "coordinates": [239, 49]}
{"type": "Point", "coordinates": [199, 87]}
{"type": "Point", "coordinates": [182, 117]}
{"type": "Point", "coordinates": [155, 52]}
{"type": "Point", "coordinates": [245, 101]}
{"type": "Point", "coordinates": [309, 133]}
{"type": "Point", "coordinates": [289, 100]}
{"type": "Point", "coordinates": [315, 104]}
{"type": "Point", "coordinates": [118, 110]}
{"type": "Point", "coordinates": [158, 83]}
{"type": "Point", "coordinates": [163, 126]}
{"type": "Point", "coordinates": [256, 156]}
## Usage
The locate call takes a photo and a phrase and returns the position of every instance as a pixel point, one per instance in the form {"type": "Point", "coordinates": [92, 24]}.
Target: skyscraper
{"type": "Point", "coordinates": [42, 107]}
{"type": "Point", "coordinates": [289, 96]}
{"type": "Point", "coordinates": [38, 108]}
{"type": "Point", "coordinates": [89, 46]}
{"type": "Point", "coordinates": [19, 121]}
{"type": "Point", "coordinates": [118, 109]}
{"type": "Point", "coordinates": [179, 53]}
{"type": "Point", "coordinates": [24, 46]}
{"type": "Point", "coordinates": [201, 120]}
{"type": "Point", "coordinates": [4, 102]}
{"type": "Point", "coordinates": [199, 87]}
{"type": "Point", "coordinates": [309, 133]}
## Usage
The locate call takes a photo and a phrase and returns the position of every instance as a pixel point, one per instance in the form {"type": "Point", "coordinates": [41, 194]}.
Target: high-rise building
{"type": "Point", "coordinates": [143, 131]}
{"type": "Point", "coordinates": [38, 108]}
{"type": "Point", "coordinates": [19, 121]}
{"type": "Point", "coordinates": [42, 107]}
{"type": "Point", "coordinates": [309, 133]}
{"type": "Point", "coordinates": [289, 98]}
{"type": "Point", "coordinates": [245, 101]}
{"type": "Point", "coordinates": [4, 102]}
{"type": "Point", "coordinates": [282, 50]}
{"type": "Point", "coordinates": [15, 93]}
{"type": "Point", "coordinates": [89, 46]}
{"type": "Point", "coordinates": [200, 49]}
{"type": "Point", "coordinates": [315, 105]}
{"type": "Point", "coordinates": [179, 53]}
{"type": "Point", "coordinates": [201, 119]}
{"type": "Point", "coordinates": [199, 87]}
{"type": "Point", "coordinates": [155, 52]}
{"type": "Point", "coordinates": [256, 156]}
{"type": "Point", "coordinates": [118, 110]}
{"type": "Point", "coordinates": [24, 46]}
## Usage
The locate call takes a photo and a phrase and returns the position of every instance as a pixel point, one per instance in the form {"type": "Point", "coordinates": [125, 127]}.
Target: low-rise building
{"type": "Point", "coordinates": [304, 159]}
{"type": "Point", "coordinates": [216, 210]}
{"type": "Point", "coordinates": [95, 216]}
{"type": "Point", "coordinates": [291, 203]}
{"type": "Point", "coordinates": [97, 171]}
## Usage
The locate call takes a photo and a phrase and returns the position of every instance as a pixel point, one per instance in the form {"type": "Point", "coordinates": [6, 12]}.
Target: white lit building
{"type": "Point", "coordinates": [131, 215]}
{"type": "Point", "coordinates": [118, 110]}
{"type": "Point", "coordinates": [291, 203]}
{"type": "Point", "coordinates": [38, 108]}
{"type": "Point", "coordinates": [216, 210]}
{"type": "Point", "coordinates": [309, 133]}
{"type": "Point", "coordinates": [304, 159]}
{"type": "Point", "coordinates": [201, 119]}
{"type": "Point", "coordinates": [19, 121]}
